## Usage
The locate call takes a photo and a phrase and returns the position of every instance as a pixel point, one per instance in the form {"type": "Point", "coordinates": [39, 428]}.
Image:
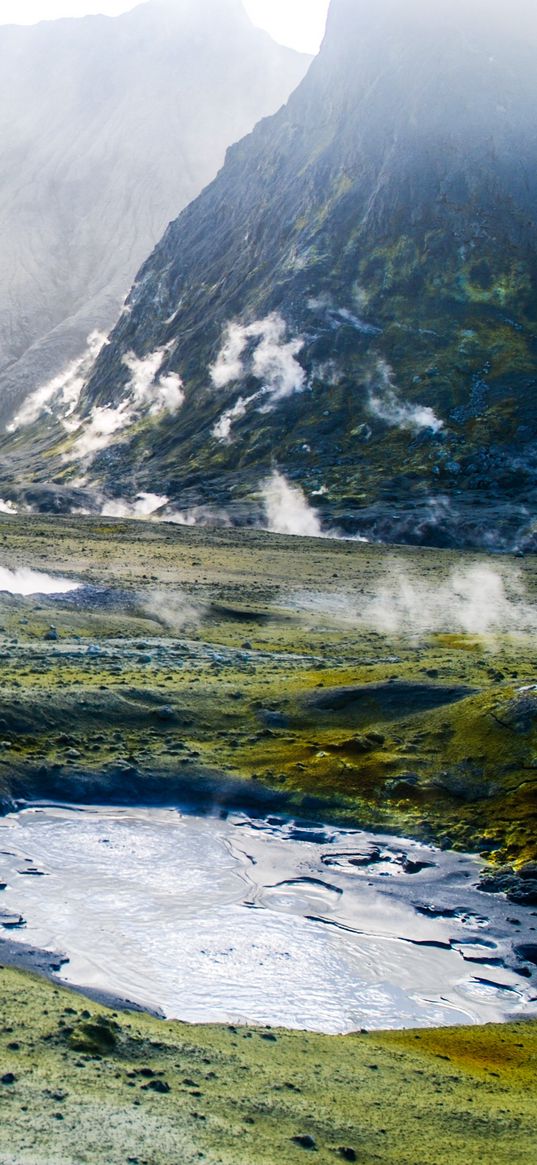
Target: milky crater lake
{"type": "Point", "coordinates": [271, 922]}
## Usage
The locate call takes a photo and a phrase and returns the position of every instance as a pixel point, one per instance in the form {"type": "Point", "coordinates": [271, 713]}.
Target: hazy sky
{"type": "Point", "coordinates": [296, 22]}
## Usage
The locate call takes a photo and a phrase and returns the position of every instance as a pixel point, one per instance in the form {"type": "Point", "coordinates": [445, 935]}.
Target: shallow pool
{"type": "Point", "coordinates": [268, 922]}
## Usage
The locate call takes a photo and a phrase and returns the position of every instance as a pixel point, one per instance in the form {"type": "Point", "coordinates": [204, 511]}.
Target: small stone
{"type": "Point", "coordinates": [527, 951]}
{"type": "Point", "coordinates": [157, 1086]}
{"type": "Point", "coordinates": [304, 1141]}
{"type": "Point", "coordinates": [165, 714]}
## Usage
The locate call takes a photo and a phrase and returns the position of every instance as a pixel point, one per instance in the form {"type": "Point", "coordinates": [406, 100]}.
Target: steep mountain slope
{"type": "Point", "coordinates": [353, 298]}
{"type": "Point", "coordinates": [109, 127]}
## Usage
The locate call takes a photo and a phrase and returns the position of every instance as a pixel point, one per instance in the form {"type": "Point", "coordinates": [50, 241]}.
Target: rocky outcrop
{"type": "Point", "coordinates": [354, 297]}
{"type": "Point", "coordinates": [519, 886]}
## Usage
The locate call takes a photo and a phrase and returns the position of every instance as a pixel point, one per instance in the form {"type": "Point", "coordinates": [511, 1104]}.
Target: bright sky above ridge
{"type": "Point", "coordinates": [299, 23]}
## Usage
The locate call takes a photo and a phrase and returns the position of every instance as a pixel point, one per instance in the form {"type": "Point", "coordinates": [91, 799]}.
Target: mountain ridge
{"type": "Point", "coordinates": [102, 150]}
{"type": "Point", "coordinates": [353, 299]}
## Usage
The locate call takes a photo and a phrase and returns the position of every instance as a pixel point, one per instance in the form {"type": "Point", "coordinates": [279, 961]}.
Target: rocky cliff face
{"type": "Point", "coordinates": [353, 298]}
{"type": "Point", "coordinates": [108, 128]}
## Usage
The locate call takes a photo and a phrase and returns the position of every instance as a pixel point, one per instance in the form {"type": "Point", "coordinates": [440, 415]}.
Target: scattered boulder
{"type": "Point", "coordinates": [97, 1037]}
{"type": "Point", "coordinates": [528, 952]}
{"type": "Point", "coordinates": [304, 1141]}
{"type": "Point", "coordinates": [410, 866]}
{"type": "Point", "coordinates": [313, 836]}
{"type": "Point", "coordinates": [402, 787]}
{"type": "Point", "coordinates": [371, 858]}
{"type": "Point", "coordinates": [157, 1086]}
{"type": "Point", "coordinates": [518, 715]}
{"type": "Point", "coordinates": [519, 886]}
{"type": "Point", "coordinates": [274, 719]}
{"type": "Point", "coordinates": [166, 714]}
{"type": "Point", "coordinates": [361, 745]}
{"type": "Point", "coordinates": [12, 921]}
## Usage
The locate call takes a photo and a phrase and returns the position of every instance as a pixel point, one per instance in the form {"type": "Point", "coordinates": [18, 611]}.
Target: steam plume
{"type": "Point", "coordinates": [60, 395]}
{"type": "Point", "coordinates": [146, 505]}
{"type": "Point", "coordinates": [385, 403]}
{"type": "Point", "coordinates": [146, 394]}
{"type": "Point", "coordinates": [147, 390]}
{"type": "Point", "coordinates": [260, 350]}
{"type": "Point", "coordinates": [174, 610]}
{"type": "Point", "coordinates": [475, 600]}
{"type": "Point", "coordinates": [223, 427]}
{"type": "Point", "coordinates": [287, 509]}
{"type": "Point", "coordinates": [32, 582]}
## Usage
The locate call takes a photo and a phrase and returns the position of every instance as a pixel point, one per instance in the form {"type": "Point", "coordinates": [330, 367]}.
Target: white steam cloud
{"type": "Point", "coordinates": [223, 427]}
{"type": "Point", "coordinates": [170, 394]}
{"type": "Point", "coordinates": [145, 505]}
{"type": "Point", "coordinates": [274, 360]}
{"type": "Point", "coordinates": [287, 509]}
{"type": "Point", "coordinates": [147, 390]}
{"type": "Point", "coordinates": [61, 395]}
{"type": "Point", "coordinates": [386, 404]}
{"type": "Point", "coordinates": [475, 600]}
{"type": "Point", "coordinates": [199, 516]}
{"type": "Point", "coordinates": [174, 610]}
{"type": "Point", "coordinates": [228, 365]}
{"type": "Point", "coordinates": [146, 394]}
{"type": "Point", "coordinates": [101, 429]}
{"type": "Point", "coordinates": [156, 508]}
{"type": "Point", "coordinates": [337, 316]}
{"type": "Point", "coordinates": [261, 350]}
{"type": "Point", "coordinates": [32, 582]}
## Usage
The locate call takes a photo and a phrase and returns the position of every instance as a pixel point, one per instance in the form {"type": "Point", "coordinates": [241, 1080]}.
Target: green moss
{"type": "Point", "coordinates": [227, 693]}
{"type": "Point", "coordinates": [171, 696]}
{"type": "Point", "coordinates": [140, 1089]}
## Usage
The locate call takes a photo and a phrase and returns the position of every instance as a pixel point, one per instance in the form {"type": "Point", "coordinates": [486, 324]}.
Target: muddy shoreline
{"type": "Point", "coordinates": [33, 961]}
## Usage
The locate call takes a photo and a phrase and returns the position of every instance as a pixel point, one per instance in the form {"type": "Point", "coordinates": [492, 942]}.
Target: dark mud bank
{"type": "Point", "coordinates": [205, 792]}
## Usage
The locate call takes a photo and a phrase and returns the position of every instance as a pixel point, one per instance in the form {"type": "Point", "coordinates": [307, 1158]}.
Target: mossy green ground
{"type": "Point", "coordinates": [209, 667]}
{"type": "Point", "coordinates": [211, 664]}
{"type": "Point", "coordinates": [95, 1086]}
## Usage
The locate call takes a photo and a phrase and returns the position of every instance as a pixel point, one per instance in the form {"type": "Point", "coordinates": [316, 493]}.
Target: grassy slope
{"type": "Point", "coordinates": [210, 632]}
{"type": "Point", "coordinates": [83, 724]}
{"type": "Point", "coordinates": [83, 1091]}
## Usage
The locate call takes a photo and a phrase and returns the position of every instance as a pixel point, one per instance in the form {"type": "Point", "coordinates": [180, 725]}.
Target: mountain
{"type": "Point", "coordinates": [352, 300]}
{"type": "Point", "coordinates": [108, 128]}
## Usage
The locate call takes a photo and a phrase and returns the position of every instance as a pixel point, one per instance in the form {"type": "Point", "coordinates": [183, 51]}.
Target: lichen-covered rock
{"type": "Point", "coordinates": [520, 714]}
{"type": "Point", "coordinates": [520, 885]}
